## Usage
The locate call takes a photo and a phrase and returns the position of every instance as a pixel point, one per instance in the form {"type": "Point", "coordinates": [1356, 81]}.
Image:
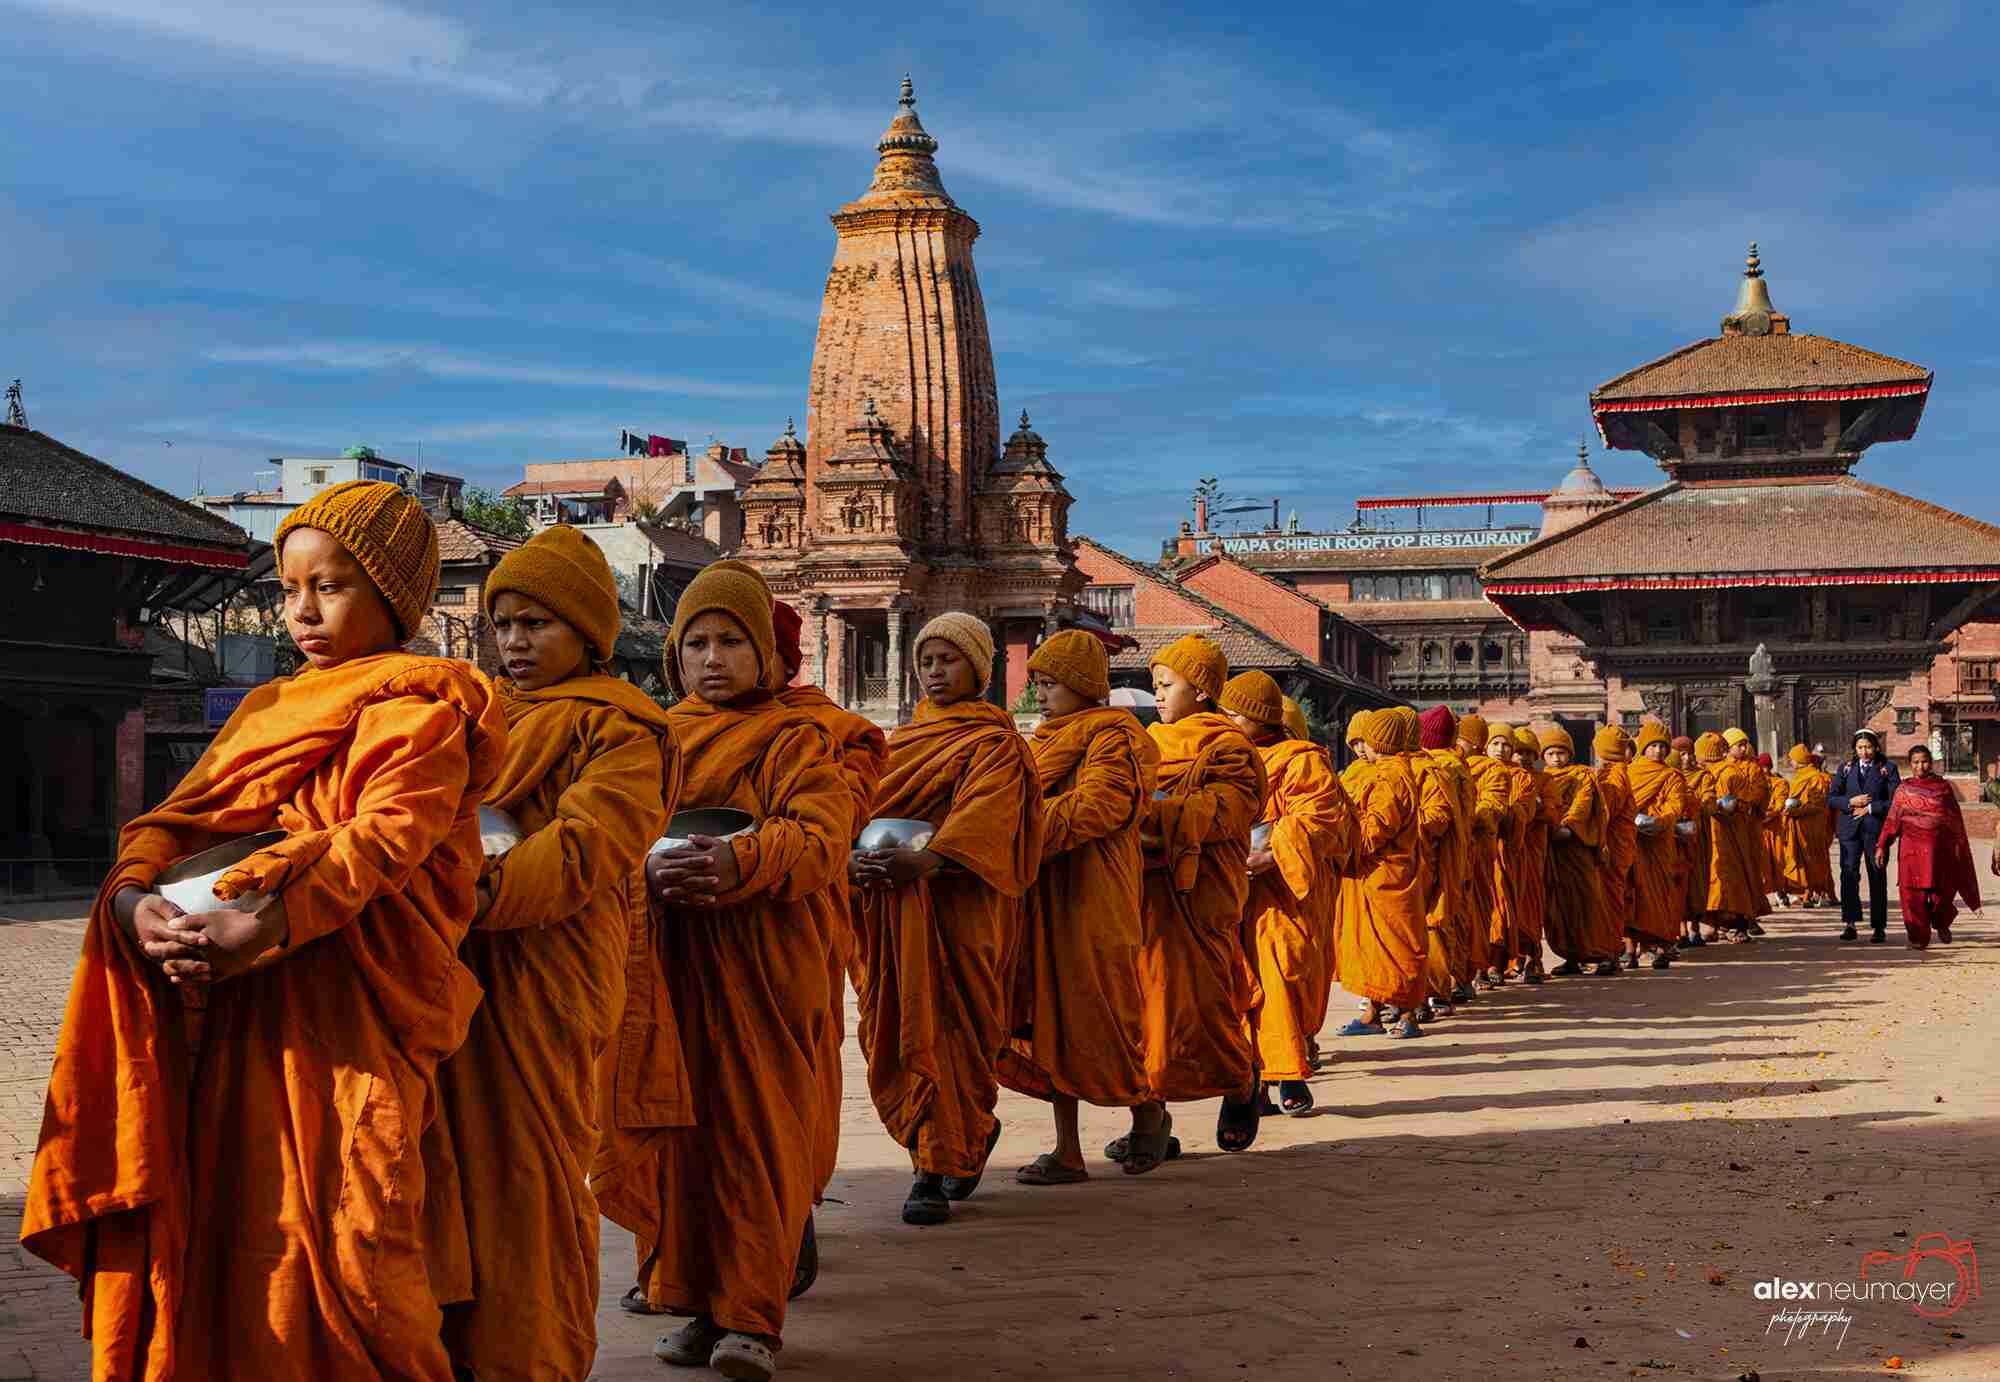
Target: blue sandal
{"type": "Point", "coordinates": [1359, 1028]}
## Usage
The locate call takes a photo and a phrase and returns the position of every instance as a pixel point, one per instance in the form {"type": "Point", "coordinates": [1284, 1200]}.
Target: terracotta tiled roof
{"type": "Point", "coordinates": [40, 478]}
{"type": "Point", "coordinates": [1244, 644]}
{"type": "Point", "coordinates": [1757, 364]}
{"type": "Point", "coordinates": [1831, 526]}
{"type": "Point", "coordinates": [459, 541]}
{"type": "Point", "coordinates": [1183, 572]}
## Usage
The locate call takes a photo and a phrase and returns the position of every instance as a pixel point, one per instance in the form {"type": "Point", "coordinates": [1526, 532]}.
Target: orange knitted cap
{"type": "Point", "coordinates": [1254, 696]}
{"type": "Point", "coordinates": [731, 588]}
{"type": "Point", "coordinates": [387, 532]}
{"type": "Point", "coordinates": [1077, 660]}
{"type": "Point", "coordinates": [1295, 720]}
{"type": "Point", "coordinates": [967, 633]}
{"type": "Point", "coordinates": [561, 569]}
{"type": "Point", "coordinates": [1198, 660]}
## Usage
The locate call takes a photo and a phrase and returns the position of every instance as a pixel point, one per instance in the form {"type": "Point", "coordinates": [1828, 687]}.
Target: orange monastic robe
{"type": "Point", "coordinates": [253, 1210]}
{"type": "Point", "coordinates": [1537, 806]}
{"type": "Point", "coordinates": [1194, 968]}
{"type": "Point", "coordinates": [1080, 1016]}
{"type": "Point", "coordinates": [1698, 852]}
{"type": "Point", "coordinates": [1659, 870]}
{"type": "Point", "coordinates": [1619, 852]}
{"type": "Point", "coordinates": [1491, 891]}
{"type": "Point", "coordinates": [747, 978]}
{"type": "Point", "coordinates": [1736, 866]}
{"type": "Point", "coordinates": [1770, 827]}
{"type": "Point", "coordinates": [1803, 868]}
{"type": "Point", "coordinates": [1442, 778]}
{"type": "Point", "coordinates": [590, 776]}
{"type": "Point", "coordinates": [863, 756]}
{"type": "Point", "coordinates": [1383, 937]}
{"type": "Point", "coordinates": [1312, 823]}
{"type": "Point", "coordinates": [1578, 921]}
{"type": "Point", "coordinates": [936, 960]}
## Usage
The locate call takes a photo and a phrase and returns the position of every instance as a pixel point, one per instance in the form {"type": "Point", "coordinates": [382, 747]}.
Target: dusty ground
{"type": "Point", "coordinates": [1612, 1161]}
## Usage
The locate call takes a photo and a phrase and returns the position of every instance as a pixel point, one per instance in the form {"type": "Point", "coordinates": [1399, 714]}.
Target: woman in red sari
{"type": "Point", "coordinates": [1935, 860]}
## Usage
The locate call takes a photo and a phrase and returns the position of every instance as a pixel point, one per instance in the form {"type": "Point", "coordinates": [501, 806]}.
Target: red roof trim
{"type": "Point", "coordinates": [1446, 501]}
{"type": "Point", "coordinates": [1751, 400]}
{"type": "Point", "coordinates": [1501, 589]}
{"type": "Point", "coordinates": [32, 536]}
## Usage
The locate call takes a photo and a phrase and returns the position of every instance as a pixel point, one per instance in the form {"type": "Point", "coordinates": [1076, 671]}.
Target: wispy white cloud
{"type": "Point", "coordinates": [370, 357]}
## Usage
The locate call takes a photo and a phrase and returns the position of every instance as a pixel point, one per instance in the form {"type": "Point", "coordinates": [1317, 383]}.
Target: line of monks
{"type": "Point", "coordinates": [360, 1118]}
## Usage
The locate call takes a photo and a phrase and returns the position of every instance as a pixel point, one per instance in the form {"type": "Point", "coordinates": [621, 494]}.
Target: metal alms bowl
{"type": "Point", "coordinates": [190, 884]}
{"type": "Point", "coordinates": [1260, 836]}
{"type": "Point", "coordinates": [1685, 829]}
{"type": "Point", "coordinates": [498, 831]}
{"type": "Point", "coordinates": [1646, 825]}
{"type": "Point", "coordinates": [890, 832]}
{"type": "Point", "coordinates": [721, 822]}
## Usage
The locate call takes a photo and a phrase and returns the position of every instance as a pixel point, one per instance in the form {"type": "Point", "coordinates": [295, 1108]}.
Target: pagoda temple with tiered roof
{"type": "Point", "coordinates": [1761, 536]}
{"type": "Point", "coordinates": [901, 502]}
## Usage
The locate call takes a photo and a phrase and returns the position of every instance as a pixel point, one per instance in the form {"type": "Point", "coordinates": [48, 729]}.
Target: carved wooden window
{"type": "Point", "coordinates": [1764, 616]}
{"type": "Point", "coordinates": [1361, 588]}
{"type": "Point", "coordinates": [1761, 429]}
{"type": "Point", "coordinates": [1413, 587]}
{"type": "Point", "coordinates": [1464, 586]}
{"type": "Point", "coordinates": [1906, 719]}
{"type": "Point", "coordinates": [1433, 656]}
{"type": "Point", "coordinates": [1461, 654]}
{"type": "Point", "coordinates": [1492, 654]}
{"type": "Point", "coordinates": [1976, 675]}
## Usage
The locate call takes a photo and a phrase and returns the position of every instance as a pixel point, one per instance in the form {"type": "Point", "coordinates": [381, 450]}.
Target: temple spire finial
{"type": "Point", "coordinates": [1583, 452]}
{"type": "Point", "coordinates": [17, 416]}
{"type": "Point", "coordinates": [1024, 419]}
{"type": "Point", "coordinates": [909, 97]}
{"type": "Point", "coordinates": [790, 431]}
{"type": "Point", "coordinates": [1754, 314]}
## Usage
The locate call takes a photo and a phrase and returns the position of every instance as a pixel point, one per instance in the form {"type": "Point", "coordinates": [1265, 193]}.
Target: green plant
{"type": "Point", "coordinates": [495, 513]}
{"type": "Point", "coordinates": [1027, 703]}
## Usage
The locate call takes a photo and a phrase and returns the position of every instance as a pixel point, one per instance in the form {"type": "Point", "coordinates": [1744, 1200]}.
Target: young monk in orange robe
{"type": "Point", "coordinates": [589, 777]}
{"type": "Point", "coordinates": [1080, 1024]}
{"type": "Point", "coordinates": [939, 925]}
{"type": "Point", "coordinates": [1577, 918]}
{"type": "Point", "coordinates": [745, 958]}
{"type": "Point", "coordinates": [1383, 937]}
{"type": "Point", "coordinates": [1771, 826]}
{"type": "Point", "coordinates": [237, 1184]}
{"type": "Point", "coordinates": [862, 753]}
{"type": "Point", "coordinates": [1325, 916]}
{"type": "Point", "coordinates": [1442, 778]}
{"type": "Point", "coordinates": [1485, 751]}
{"type": "Point", "coordinates": [1697, 845]}
{"type": "Point", "coordinates": [1620, 850]}
{"type": "Point", "coordinates": [1540, 809]}
{"type": "Point", "coordinates": [1803, 868]}
{"type": "Point", "coordinates": [1659, 893]}
{"type": "Point", "coordinates": [1310, 821]}
{"type": "Point", "coordinates": [1736, 885]}
{"type": "Point", "coordinates": [1194, 968]}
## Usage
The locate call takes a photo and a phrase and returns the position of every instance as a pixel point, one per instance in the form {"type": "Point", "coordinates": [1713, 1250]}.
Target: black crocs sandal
{"type": "Point", "coordinates": [1046, 1170]}
{"type": "Point", "coordinates": [926, 1204]}
{"type": "Point", "coordinates": [1236, 1126]}
{"type": "Point", "coordinates": [1295, 1098]}
{"type": "Point", "coordinates": [961, 1187]}
{"type": "Point", "coordinates": [634, 1302]}
{"type": "Point", "coordinates": [1149, 1151]}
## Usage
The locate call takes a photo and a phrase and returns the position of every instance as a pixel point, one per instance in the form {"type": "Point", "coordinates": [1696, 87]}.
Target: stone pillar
{"type": "Point", "coordinates": [819, 608]}
{"type": "Point", "coordinates": [898, 683]}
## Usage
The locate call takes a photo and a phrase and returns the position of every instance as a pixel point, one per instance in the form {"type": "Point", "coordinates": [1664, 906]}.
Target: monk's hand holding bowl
{"type": "Point", "coordinates": [1261, 861]}
{"type": "Point", "coordinates": [1563, 832]}
{"type": "Point", "coordinates": [150, 920]}
{"type": "Point", "coordinates": [894, 868]}
{"type": "Point", "coordinates": [699, 871]}
{"type": "Point", "coordinates": [233, 941]}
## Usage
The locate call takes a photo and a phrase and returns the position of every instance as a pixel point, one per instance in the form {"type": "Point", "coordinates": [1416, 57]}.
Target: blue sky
{"type": "Point", "coordinates": [1321, 251]}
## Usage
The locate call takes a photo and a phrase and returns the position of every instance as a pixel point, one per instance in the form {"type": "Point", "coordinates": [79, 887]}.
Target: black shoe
{"type": "Point", "coordinates": [1878, 936]}
{"type": "Point", "coordinates": [1567, 968]}
{"type": "Point", "coordinates": [961, 1187]}
{"type": "Point", "coordinates": [807, 1270]}
{"type": "Point", "coordinates": [927, 1204]}
{"type": "Point", "coordinates": [1660, 960]}
{"type": "Point", "coordinates": [1605, 968]}
{"type": "Point", "coordinates": [1754, 929]}
{"type": "Point", "coordinates": [1850, 934]}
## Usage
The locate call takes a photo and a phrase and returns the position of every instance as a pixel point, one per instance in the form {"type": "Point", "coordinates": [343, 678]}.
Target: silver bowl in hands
{"type": "Point", "coordinates": [498, 832]}
{"type": "Point", "coordinates": [1260, 836]}
{"type": "Point", "coordinates": [1727, 805]}
{"type": "Point", "coordinates": [190, 884]}
{"type": "Point", "coordinates": [1791, 804]}
{"type": "Point", "coordinates": [720, 822]}
{"type": "Point", "coordinates": [1645, 824]}
{"type": "Point", "coordinates": [891, 832]}
{"type": "Point", "coordinates": [1686, 829]}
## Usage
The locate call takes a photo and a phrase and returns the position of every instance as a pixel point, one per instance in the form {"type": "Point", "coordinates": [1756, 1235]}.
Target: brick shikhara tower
{"type": "Point", "coordinates": [901, 503]}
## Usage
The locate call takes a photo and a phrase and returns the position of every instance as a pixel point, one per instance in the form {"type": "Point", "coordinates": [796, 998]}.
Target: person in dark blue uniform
{"type": "Point", "coordinates": [1859, 799]}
